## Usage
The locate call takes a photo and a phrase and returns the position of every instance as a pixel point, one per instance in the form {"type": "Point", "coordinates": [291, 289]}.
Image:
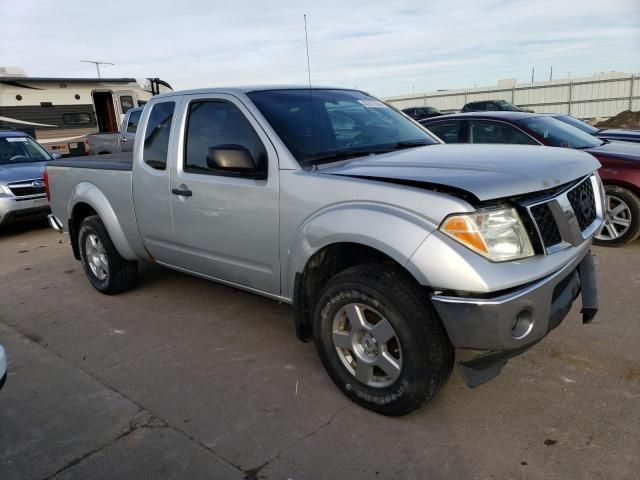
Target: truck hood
{"type": "Point", "coordinates": [486, 171]}
{"type": "Point", "coordinates": [14, 172]}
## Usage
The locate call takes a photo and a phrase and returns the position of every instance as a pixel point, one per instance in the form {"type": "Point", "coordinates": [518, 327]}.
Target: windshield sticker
{"type": "Point", "coordinates": [372, 103]}
{"type": "Point", "coordinates": [16, 139]}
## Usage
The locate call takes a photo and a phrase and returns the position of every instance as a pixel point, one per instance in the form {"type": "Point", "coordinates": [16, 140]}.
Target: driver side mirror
{"type": "Point", "coordinates": [55, 155]}
{"type": "Point", "coordinates": [233, 158]}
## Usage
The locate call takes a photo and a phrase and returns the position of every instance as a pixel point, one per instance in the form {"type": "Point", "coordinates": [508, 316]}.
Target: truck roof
{"type": "Point", "coordinates": [250, 88]}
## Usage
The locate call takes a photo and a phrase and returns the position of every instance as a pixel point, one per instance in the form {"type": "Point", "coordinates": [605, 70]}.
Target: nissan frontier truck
{"type": "Point", "coordinates": [393, 248]}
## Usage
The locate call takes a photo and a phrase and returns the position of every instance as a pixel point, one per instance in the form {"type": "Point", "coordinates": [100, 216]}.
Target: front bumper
{"type": "Point", "coordinates": [510, 323]}
{"type": "Point", "coordinates": [16, 208]}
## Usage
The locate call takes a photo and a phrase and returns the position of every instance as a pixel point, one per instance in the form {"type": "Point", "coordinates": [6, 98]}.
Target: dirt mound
{"type": "Point", "coordinates": [626, 119]}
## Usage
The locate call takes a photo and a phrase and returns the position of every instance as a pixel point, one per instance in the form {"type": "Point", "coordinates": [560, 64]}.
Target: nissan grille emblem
{"type": "Point", "coordinates": [586, 205]}
{"type": "Point", "coordinates": [37, 183]}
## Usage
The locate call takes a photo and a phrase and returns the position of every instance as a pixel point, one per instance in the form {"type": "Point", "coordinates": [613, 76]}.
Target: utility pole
{"type": "Point", "coordinates": [551, 73]}
{"type": "Point", "coordinates": [533, 71]}
{"type": "Point", "coordinates": [97, 64]}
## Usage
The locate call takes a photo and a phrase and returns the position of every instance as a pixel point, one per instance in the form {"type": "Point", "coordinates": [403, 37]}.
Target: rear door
{"type": "Point", "coordinates": [151, 181]}
{"type": "Point", "coordinates": [228, 225]}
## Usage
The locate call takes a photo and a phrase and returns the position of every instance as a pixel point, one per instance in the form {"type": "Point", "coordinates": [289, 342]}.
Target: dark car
{"type": "Point", "coordinates": [493, 106]}
{"type": "Point", "coordinates": [420, 113]}
{"type": "Point", "coordinates": [620, 134]}
{"type": "Point", "coordinates": [620, 161]}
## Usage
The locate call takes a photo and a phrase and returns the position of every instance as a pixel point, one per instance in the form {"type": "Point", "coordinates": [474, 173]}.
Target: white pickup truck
{"type": "Point", "coordinates": [392, 247]}
{"type": "Point", "coordinates": [105, 143]}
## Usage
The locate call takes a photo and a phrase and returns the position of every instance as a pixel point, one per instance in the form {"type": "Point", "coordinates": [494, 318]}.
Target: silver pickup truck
{"type": "Point", "coordinates": [105, 143]}
{"type": "Point", "coordinates": [393, 248]}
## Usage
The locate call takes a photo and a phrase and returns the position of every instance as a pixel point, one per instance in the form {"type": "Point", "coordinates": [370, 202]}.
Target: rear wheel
{"type": "Point", "coordinates": [380, 339]}
{"type": "Point", "coordinates": [107, 271]}
{"type": "Point", "coordinates": [621, 217]}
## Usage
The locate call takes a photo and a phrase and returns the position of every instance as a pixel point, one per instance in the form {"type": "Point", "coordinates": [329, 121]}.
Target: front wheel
{"type": "Point", "coordinates": [107, 271]}
{"type": "Point", "coordinates": [621, 217]}
{"type": "Point", "coordinates": [380, 339]}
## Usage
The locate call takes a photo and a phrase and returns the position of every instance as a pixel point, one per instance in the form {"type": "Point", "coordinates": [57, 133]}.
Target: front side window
{"type": "Point", "coordinates": [21, 150]}
{"type": "Point", "coordinates": [560, 134]}
{"type": "Point", "coordinates": [126, 103]}
{"type": "Point", "coordinates": [319, 125]}
{"type": "Point", "coordinates": [156, 137]}
{"type": "Point", "coordinates": [215, 124]}
{"type": "Point", "coordinates": [134, 119]}
{"type": "Point", "coordinates": [448, 132]}
{"type": "Point", "coordinates": [486, 131]}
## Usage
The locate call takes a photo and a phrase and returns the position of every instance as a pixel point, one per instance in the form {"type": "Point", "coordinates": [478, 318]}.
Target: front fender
{"type": "Point", "coordinates": [86, 192]}
{"type": "Point", "coordinates": [388, 229]}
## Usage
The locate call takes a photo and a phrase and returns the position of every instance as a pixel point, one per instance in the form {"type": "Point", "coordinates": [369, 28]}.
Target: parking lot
{"type": "Point", "coordinates": [182, 378]}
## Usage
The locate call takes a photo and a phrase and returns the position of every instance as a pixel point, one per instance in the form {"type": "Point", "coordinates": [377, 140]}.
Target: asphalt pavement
{"type": "Point", "coordinates": [185, 379]}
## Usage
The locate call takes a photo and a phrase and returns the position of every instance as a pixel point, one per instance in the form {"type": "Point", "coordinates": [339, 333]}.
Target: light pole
{"type": "Point", "coordinates": [97, 64]}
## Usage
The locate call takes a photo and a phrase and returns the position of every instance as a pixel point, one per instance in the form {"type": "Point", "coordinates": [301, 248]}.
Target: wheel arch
{"type": "Point", "coordinates": [322, 266]}
{"type": "Point", "coordinates": [87, 199]}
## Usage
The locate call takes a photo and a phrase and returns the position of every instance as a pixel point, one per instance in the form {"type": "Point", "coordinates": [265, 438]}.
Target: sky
{"type": "Point", "coordinates": [384, 47]}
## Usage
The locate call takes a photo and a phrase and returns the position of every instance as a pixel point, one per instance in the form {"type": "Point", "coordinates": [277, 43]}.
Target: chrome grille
{"type": "Point", "coordinates": [583, 203]}
{"type": "Point", "coordinates": [547, 228]}
{"type": "Point", "coordinates": [569, 217]}
{"type": "Point", "coordinates": [27, 188]}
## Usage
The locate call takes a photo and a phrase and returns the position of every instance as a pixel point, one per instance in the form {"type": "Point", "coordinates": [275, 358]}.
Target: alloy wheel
{"type": "Point", "coordinates": [367, 345]}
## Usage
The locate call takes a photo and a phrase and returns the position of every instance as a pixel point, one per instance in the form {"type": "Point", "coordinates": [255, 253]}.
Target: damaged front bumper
{"type": "Point", "coordinates": [508, 324]}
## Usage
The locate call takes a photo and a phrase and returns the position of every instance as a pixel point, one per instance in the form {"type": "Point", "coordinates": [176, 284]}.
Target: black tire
{"type": "Point", "coordinates": [427, 355]}
{"type": "Point", "coordinates": [120, 275]}
{"type": "Point", "coordinates": [633, 203]}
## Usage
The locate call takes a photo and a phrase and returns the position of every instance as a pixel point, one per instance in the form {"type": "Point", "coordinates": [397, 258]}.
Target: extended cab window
{"type": "Point", "coordinates": [486, 131]}
{"type": "Point", "coordinates": [134, 119]}
{"type": "Point", "coordinates": [156, 137]}
{"type": "Point", "coordinates": [214, 124]}
{"type": "Point", "coordinates": [449, 132]}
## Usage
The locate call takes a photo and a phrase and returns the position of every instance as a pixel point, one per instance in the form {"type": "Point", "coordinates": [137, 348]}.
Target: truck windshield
{"type": "Point", "coordinates": [560, 134]}
{"type": "Point", "coordinates": [322, 125]}
{"type": "Point", "coordinates": [21, 150]}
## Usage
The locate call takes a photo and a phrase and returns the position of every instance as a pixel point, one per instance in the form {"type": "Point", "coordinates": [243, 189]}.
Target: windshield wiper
{"type": "Point", "coordinates": [409, 144]}
{"type": "Point", "coordinates": [341, 155]}
{"type": "Point", "coordinates": [353, 153]}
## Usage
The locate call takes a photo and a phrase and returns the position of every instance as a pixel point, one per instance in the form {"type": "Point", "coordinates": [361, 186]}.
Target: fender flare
{"type": "Point", "coordinates": [86, 192]}
{"type": "Point", "coordinates": [372, 224]}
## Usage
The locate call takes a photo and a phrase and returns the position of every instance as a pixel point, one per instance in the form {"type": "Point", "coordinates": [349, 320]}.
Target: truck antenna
{"type": "Point", "coordinates": [306, 39]}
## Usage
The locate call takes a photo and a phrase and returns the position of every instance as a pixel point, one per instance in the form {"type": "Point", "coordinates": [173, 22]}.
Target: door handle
{"type": "Point", "coordinates": [183, 192]}
{"type": "Point", "coordinates": [123, 140]}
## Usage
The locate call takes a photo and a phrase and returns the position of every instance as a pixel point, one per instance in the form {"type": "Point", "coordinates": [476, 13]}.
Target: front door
{"type": "Point", "coordinates": [228, 225]}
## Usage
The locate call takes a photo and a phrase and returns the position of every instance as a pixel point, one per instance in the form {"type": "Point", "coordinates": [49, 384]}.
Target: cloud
{"type": "Point", "coordinates": [386, 48]}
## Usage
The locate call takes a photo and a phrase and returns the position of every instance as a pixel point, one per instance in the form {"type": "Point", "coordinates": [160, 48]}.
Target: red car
{"type": "Point", "coordinates": [620, 161]}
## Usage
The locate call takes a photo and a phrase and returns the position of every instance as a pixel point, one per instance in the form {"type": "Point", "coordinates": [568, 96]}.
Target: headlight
{"type": "Point", "coordinates": [498, 235]}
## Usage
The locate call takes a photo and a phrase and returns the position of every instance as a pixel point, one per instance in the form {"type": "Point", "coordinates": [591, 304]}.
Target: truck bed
{"type": "Point", "coordinates": [113, 161]}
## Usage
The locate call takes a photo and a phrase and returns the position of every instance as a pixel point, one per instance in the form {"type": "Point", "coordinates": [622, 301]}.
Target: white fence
{"type": "Point", "coordinates": [601, 96]}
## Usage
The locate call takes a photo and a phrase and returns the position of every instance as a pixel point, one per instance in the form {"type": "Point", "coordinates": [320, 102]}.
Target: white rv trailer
{"type": "Point", "coordinates": [61, 112]}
